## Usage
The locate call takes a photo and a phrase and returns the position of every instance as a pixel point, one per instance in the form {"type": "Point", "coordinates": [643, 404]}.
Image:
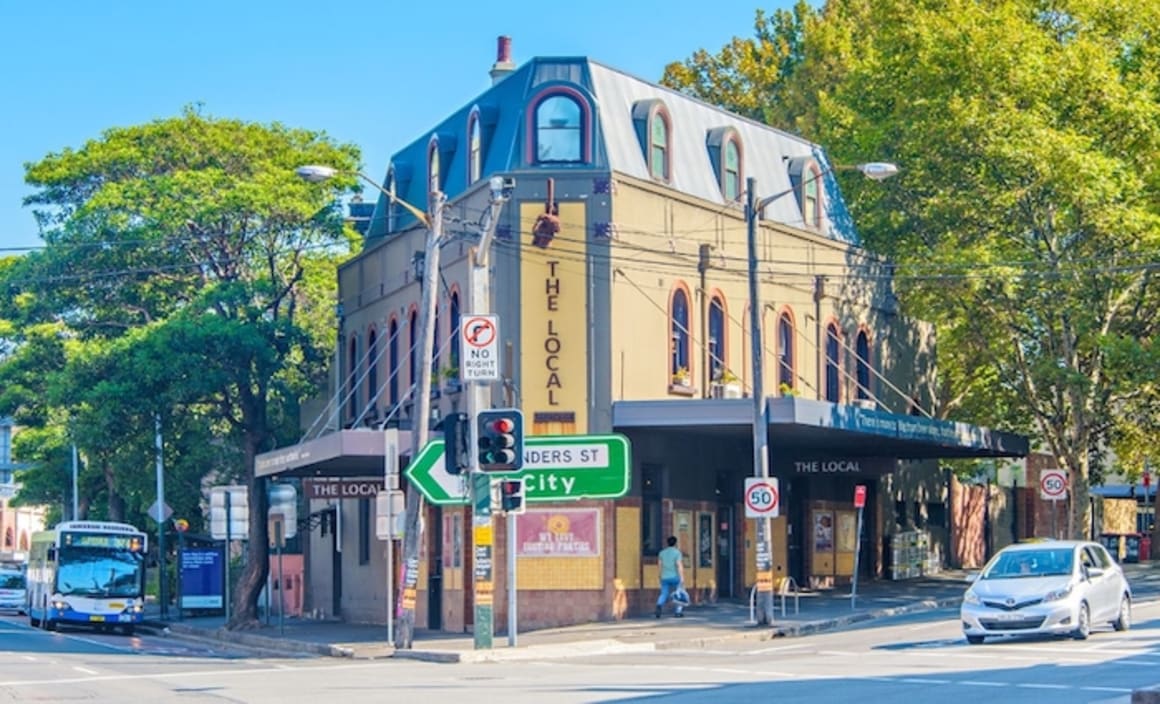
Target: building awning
{"type": "Point", "coordinates": [822, 428]}
{"type": "Point", "coordinates": [347, 453]}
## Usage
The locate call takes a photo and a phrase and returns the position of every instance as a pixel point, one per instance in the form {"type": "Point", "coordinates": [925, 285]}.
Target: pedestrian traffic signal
{"type": "Point", "coordinates": [511, 495]}
{"type": "Point", "coordinates": [455, 430]}
{"type": "Point", "coordinates": [501, 440]}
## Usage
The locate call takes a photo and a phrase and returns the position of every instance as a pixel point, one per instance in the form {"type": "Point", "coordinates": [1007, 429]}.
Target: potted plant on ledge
{"type": "Point", "coordinates": [681, 381]}
{"type": "Point", "coordinates": [726, 385]}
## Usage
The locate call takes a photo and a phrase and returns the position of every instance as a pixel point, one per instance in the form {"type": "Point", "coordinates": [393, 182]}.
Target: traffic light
{"type": "Point", "coordinates": [511, 495]}
{"type": "Point", "coordinates": [455, 457]}
{"type": "Point", "coordinates": [501, 440]}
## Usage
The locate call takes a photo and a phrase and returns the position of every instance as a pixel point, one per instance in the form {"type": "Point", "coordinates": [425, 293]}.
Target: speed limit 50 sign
{"type": "Point", "coordinates": [1053, 484]}
{"type": "Point", "coordinates": [762, 498]}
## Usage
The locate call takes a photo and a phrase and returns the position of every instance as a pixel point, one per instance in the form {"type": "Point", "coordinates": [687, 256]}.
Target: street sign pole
{"type": "Point", "coordinates": [478, 398]}
{"type": "Point", "coordinates": [227, 560]}
{"type": "Point", "coordinates": [513, 602]}
{"type": "Point", "coordinates": [859, 503]}
{"type": "Point", "coordinates": [162, 591]}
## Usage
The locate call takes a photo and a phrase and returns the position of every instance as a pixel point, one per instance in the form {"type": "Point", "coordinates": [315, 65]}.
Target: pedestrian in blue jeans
{"type": "Point", "coordinates": [672, 575]}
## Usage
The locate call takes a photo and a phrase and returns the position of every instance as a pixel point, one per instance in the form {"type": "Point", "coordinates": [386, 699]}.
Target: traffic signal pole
{"type": "Point", "coordinates": [478, 399]}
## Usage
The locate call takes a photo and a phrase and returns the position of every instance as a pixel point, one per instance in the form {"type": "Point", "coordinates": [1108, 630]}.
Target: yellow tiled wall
{"type": "Point", "coordinates": [628, 546]}
{"type": "Point", "coordinates": [562, 573]}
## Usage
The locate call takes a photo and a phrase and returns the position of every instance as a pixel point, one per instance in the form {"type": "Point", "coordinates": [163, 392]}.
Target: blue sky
{"type": "Point", "coordinates": [375, 74]}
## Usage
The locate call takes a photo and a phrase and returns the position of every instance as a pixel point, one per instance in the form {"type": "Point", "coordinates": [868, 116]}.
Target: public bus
{"type": "Point", "coordinates": [87, 573]}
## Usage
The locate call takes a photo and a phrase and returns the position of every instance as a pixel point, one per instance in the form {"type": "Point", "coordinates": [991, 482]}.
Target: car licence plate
{"type": "Point", "coordinates": [1010, 617]}
{"type": "Point", "coordinates": [97, 619]}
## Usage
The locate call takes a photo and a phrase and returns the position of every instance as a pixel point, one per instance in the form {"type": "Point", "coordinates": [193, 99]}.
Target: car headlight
{"type": "Point", "coordinates": [1058, 594]}
{"type": "Point", "coordinates": [60, 605]}
{"type": "Point", "coordinates": [971, 598]}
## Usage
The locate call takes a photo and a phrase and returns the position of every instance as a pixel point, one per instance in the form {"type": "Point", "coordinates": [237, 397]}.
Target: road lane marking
{"type": "Point", "coordinates": [1120, 690]}
{"type": "Point", "coordinates": [178, 675]}
{"type": "Point", "coordinates": [778, 649]}
{"type": "Point", "coordinates": [85, 670]}
{"type": "Point", "coordinates": [29, 658]}
{"type": "Point", "coordinates": [1041, 685]}
{"type": "Point", "coordinates": [923, 680]}
{"type": "Point", "coordinates": [977, 683]}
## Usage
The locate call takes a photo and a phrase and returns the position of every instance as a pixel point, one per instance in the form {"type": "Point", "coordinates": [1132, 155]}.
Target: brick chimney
{"type": "Point", "coordinates": [503, 60]}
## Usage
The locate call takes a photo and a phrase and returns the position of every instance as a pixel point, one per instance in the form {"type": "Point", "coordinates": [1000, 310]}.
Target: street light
{"type": "Point", "coordinates": [876, 171]}
{"type": "Point", "coordinates": [422, 392]}
{"type": "Point", "coordinates": [315, 173]}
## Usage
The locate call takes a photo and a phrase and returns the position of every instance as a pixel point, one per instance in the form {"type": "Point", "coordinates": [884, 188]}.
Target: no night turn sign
{"type": "Point", "coordinates": [762, 498]}
{"type": "Point", "coordinates": [479, 348]}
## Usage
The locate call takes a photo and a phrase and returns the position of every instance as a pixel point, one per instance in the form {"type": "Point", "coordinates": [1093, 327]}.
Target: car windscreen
{"type": "Point", "coordinates": [1047, 562]}
{"type": "Point", "coordinates": [10, 580]}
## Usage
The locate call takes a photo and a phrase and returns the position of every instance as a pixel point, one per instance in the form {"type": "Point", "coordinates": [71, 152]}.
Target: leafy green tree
{"type": "Point", "coordinates": [1026, 219]}
{"type": "Point", "coordinates": [187, 245]}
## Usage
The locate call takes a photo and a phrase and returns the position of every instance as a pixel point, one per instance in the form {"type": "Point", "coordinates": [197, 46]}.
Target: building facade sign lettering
{"type": "Point", "coordinates": [553, 319]}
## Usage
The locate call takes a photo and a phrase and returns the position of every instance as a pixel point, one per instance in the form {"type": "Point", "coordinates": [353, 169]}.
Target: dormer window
{"type": "Point", "coordinates": [728, 161]}
{"type": "Point", "coordinates": [806, 177]}
{"type": "Point", "coordinates": [559, 129]}
{"type": "Point", "coordinates": [659, 151]}
{"type": "Point", "coordinates": [474, 149]}
{"type": "Point", "coordinates": [654, 129]}
{"type": "Point", "coordinates": [812, 197]}
{"type": "Point", "coordinates": [731, 171]}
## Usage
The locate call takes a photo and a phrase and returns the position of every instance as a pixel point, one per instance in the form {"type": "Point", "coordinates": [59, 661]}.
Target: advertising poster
{"type": "Point", "coordinates": [558, 533]}
{"type": "Point", "coordinates": [202, 578]}
{"type": "Point", "coordinates": [823, 531]}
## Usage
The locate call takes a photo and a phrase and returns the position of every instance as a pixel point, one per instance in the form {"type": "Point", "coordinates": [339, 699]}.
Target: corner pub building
{"type": "Point", "coordinates": [630, 317]}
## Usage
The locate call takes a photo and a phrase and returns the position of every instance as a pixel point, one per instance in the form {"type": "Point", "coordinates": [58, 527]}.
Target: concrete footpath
{"type": "Point", "coordinates": [702, 626]}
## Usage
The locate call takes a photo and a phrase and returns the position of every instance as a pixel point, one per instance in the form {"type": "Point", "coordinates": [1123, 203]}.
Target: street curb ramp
{"type": "Point", "coordinates": [557, 651]}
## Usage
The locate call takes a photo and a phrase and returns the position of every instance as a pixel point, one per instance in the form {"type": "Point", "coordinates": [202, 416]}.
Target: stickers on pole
{"type": "Point", "coordinates": [762, 497]}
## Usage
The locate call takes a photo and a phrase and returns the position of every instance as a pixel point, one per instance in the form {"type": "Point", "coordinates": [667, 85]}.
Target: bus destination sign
{"type": "Point", "coordinates": [99, 540]}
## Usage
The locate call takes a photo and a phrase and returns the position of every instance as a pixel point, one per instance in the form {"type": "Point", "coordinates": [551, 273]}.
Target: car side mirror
{"type": "Point", "coordinates": [1093, 572]}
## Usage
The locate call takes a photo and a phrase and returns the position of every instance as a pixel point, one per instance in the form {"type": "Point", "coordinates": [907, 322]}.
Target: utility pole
{"type": "Point", "coordinates": [702, 269]}
{"type": "Point", "coordinates": [162, 591]}
{"type": "Point", "coordinates": [764, 526]}
{"type": "Point", "coordinates": [405, 634]}
{"type": "Point", "coordinates": [75, 499]}
{"type": "Point", "coordinates": [478, 399]}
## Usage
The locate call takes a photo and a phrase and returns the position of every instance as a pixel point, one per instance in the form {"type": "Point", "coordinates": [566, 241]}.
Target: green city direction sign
{"type": "Point", "coordinates": [556, 468]}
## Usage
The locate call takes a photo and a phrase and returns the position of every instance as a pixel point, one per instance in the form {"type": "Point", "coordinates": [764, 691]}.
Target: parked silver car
{"type": "Point", "coordinates": [12, 590]}
{"type": "Point", "coordinates": [1058, 587]}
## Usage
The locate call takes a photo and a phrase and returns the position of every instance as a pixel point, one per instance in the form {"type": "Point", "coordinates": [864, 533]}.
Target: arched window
{"type": "Point", "coordinates": [731, 170]}
{"type": "Point", "coordinates": [474, 149]}
{"type": "Point", "coordinates": [833, 384]}
{"type": "Point", "coordinates": [812, 197]}
{"type": "Point", "coordinates": [862, 365]}
{"type": "Point", "coordinates": [372, 368]}
{"type": "Point", "coordinates": [717, 332]}
{"type": "Point", "coordinates": [453, 353]}
{"type": "Point", "coordinates": [785, 376]}
{"type": "Point", "coordinates": [392, 208]}
{"type": "Point", "coordinates": [659, 150]}
{"type": "Point", "coordinates": [412, 354]}
{"type": "Point", "coordinates": [23, 541]}
{"type": "Point", "coordinates": [9, 538]}
{"type": "Point", "coordinates": [559, 130]}
{"type": "Point", "coordinates": [352, 379]}
{"type": "Point", "coordinates": [679, 342]}
{"type": "Point", "coordinates": [393, 350]}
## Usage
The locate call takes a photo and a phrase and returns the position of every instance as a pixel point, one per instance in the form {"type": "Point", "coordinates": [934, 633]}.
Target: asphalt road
{"type": "Point", "coordinates": [913, 659]}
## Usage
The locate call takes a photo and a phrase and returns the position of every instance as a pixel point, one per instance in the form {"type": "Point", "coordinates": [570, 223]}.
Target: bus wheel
{"type": "Point", "coordinates": [33, 621]}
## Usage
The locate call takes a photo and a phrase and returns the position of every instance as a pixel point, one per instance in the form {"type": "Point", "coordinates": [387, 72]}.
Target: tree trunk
{"type": "Point", "coordinates": [115, 501]}
{"type": "Point", "coordinates": [1079, 497]}
{"type": "Point", "coordinates": [257, 568]}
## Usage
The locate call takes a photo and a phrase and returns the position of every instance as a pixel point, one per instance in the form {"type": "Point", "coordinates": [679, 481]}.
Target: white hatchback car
{"type": "Point", "coordinates": [13, 596]}
{"type": "Point", "coordinates": [1054, 587]}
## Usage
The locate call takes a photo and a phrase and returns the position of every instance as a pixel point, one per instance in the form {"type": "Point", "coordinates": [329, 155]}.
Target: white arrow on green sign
{"type": "Point", "coordinates": [556, 468]}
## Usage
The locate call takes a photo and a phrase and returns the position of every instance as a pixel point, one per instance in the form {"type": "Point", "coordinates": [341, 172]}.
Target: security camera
{"type": "Point", "coordinates": [502, 186]}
